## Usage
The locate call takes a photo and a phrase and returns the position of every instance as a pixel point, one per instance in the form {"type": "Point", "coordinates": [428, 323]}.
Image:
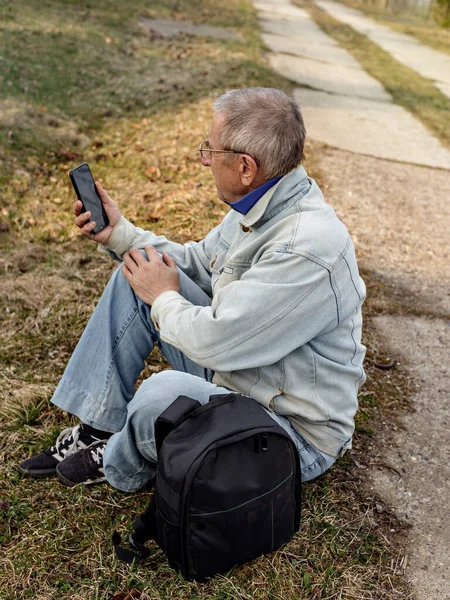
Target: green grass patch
{"type": "Point", "coordinates": [69, 70]}
{"type": "Point", "coordinates": [408, 88]}
{"type": "Point", "coordinates": [424, 30]}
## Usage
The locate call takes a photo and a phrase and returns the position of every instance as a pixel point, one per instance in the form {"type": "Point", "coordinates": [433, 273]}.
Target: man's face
{"type": "Point", "coordinates": [226, 177]}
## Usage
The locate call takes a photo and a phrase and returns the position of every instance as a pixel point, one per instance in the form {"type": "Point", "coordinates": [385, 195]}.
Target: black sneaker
{"type": "Point", "coordinates": [84, 467]}
{"type": "Point", "coordinates": [70, 441]}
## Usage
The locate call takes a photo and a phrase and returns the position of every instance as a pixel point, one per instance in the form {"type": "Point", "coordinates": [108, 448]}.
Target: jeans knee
{"type": "Point", "coordinates": [169, 381]}
{"type": "Point", "coordinates": [154, 395]}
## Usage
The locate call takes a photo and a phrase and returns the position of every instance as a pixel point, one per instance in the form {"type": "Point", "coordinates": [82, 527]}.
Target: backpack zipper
{"type": "Point", "coordinates": [260, 442]}
{"type": "Point", "coordinates": [264, 445]}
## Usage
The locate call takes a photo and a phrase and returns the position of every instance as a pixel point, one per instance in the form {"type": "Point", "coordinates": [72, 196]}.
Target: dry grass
{"type": "Point", "coordinates": [142, 146]}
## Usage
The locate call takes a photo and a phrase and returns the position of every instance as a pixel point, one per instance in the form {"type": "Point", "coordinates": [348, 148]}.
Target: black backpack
{"type": "Point", "coordinates": [227, 489]}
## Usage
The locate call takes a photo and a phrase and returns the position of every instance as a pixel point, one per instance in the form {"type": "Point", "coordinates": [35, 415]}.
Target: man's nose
{"type": "Point", "coordinates": [206, 162]}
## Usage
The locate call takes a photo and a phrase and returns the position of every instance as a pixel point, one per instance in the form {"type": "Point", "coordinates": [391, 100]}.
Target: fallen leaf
{"type": "Point", "coordinates": [153, 173]}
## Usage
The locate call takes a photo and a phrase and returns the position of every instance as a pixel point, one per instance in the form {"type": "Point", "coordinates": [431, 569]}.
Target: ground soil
{"type": "Point", "coordinates": [398, 215]}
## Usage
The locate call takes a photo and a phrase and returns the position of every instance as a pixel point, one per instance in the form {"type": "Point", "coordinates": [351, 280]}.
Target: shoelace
{"type": "Point", "coordinates": [97, 449]}
{"type": "Point", "coordinates": [67, 442]}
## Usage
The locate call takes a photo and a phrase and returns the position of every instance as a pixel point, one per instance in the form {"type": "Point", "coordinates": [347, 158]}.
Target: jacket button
{"type": "Point", "coordinates": [245, 229]}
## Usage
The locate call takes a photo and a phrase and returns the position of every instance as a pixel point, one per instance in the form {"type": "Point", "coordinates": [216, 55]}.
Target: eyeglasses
{"type": "Point", "coordinates": [206, 151]}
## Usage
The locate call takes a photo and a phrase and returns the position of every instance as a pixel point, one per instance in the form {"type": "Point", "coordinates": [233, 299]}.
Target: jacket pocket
{"type": "Point", "coordinates": [230, 273]}
{"type": "Point", "coordinates": [245, 380]}
{"type": "Point", "coordinates": [312, 410]}
{"type": "Point", "coordinates": [300, 395]}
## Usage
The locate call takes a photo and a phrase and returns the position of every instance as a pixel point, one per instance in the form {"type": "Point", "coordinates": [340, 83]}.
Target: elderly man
{"type": "Point", "coordinates": [268, 305]}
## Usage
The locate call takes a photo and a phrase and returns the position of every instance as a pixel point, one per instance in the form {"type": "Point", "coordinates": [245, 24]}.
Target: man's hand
{"type": "Point", "coordinates": [150, 278]}
{"type": "Point", "coordinates": [112, 211]}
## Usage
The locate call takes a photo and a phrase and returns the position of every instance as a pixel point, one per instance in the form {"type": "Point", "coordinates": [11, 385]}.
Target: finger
{"type": "Point", "coordinates": [82, 219]}
{"type": "Point", "coordinates": [136, 255]}
{"type": "Point", "coordinates": [77, 207]}
{"type": "Point", "coordinates": [129, 262]}
{"type": "Point", "coordinates": [169, 261]}
{"type": "Point", "coordinates": [100, 189]}
{"type": "Point", "coordinates": [104, 196]}
{"type": "Point", "coordinates": [152, 253]}
{"type": "Point", "coordinates": [126, 272]}
{"type": "Point", "coordinates": [88, 228]}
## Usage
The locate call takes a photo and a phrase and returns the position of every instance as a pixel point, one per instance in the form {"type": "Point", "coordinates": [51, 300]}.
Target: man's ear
{"type": "Point", "coordinates": [247, 169]}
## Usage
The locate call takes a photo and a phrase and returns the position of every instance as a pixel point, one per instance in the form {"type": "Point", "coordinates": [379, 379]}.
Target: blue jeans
{"type": "Point", "coordinates": [98, 385]}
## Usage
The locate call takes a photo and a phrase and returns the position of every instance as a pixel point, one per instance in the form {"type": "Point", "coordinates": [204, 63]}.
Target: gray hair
{"type": "Point", "coordinates": [264, 123]}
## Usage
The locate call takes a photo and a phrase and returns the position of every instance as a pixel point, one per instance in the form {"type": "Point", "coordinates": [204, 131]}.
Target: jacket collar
{"type": "Point", "coordinates": [245, 204]}
{"type": "Point", "coordinates": [258, 210]}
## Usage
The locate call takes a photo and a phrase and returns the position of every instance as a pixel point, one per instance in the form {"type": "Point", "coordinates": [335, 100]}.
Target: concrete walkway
{"type": "Point", "coordinates": [343, 106]}
{"type": "Point", "coordinates": [426, 61]}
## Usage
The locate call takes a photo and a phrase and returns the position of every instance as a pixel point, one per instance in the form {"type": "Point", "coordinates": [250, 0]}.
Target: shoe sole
{"type": "Point", "coordinates": [69, 483]}
{"type": "Point", "coordinates": [37, 473]}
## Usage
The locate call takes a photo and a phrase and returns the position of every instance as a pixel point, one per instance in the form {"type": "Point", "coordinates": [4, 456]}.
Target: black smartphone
{"type": "Point", "coordinates": [84, 185]}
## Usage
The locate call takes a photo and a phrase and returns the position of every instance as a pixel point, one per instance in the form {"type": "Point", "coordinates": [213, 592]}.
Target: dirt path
{"type": "Point", "coordinates": [399, 216]}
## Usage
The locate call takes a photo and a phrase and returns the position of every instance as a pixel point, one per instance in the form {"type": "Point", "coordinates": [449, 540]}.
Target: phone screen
{"type": "Point", "coordinates": [84, 185]}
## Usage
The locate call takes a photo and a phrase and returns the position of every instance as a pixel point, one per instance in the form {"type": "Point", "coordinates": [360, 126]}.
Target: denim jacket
{"type": "Point", "coordinates": [284, 325]}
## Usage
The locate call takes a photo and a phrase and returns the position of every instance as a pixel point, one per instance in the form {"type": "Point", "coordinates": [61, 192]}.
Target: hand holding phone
{"type": "Point", "coordinates": [86, 191]}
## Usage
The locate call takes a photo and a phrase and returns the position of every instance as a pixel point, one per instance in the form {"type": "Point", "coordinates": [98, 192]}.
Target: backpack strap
{"type": "Point", "coordinates": [138, 553]}
{"type": "Point", "coordinates": [175, 414]}
{"type": "Point", "coordinates": [143, 527]}
{"type": "Point", "coordinates": [143, 530]}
